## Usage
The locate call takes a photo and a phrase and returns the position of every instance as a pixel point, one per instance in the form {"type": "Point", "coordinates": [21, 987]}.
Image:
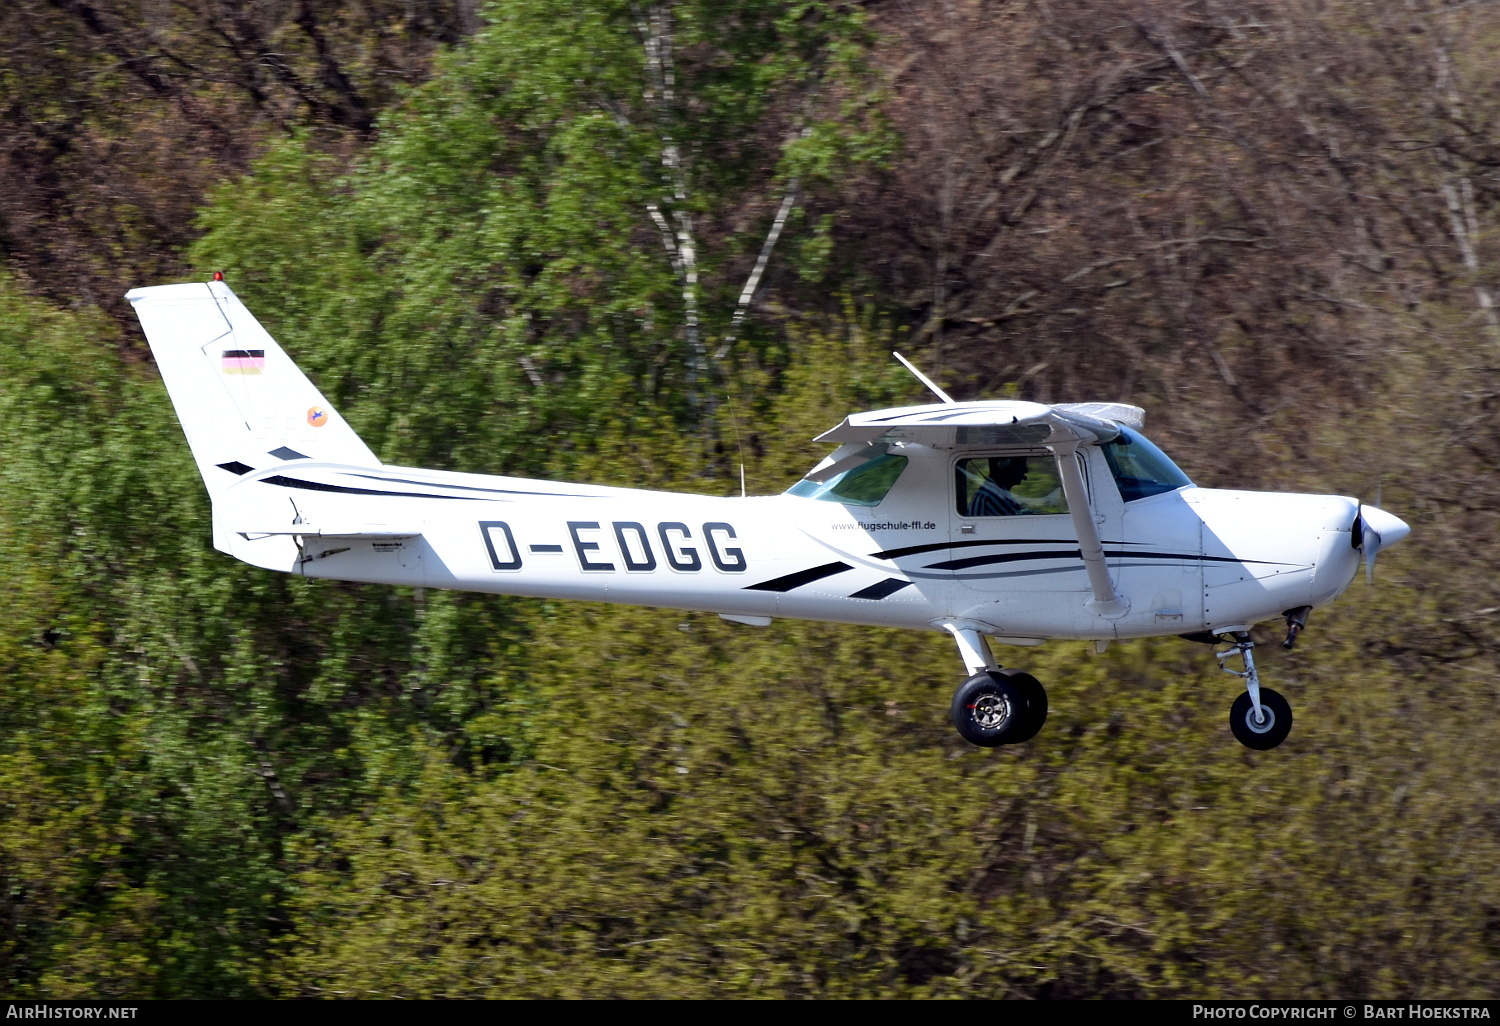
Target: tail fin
{"type": "Point", "coordinates": [242, 402]}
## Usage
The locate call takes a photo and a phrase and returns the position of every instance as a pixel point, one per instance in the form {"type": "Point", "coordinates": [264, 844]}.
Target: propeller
{"type": "Point", "coordinates": [1377, 530]}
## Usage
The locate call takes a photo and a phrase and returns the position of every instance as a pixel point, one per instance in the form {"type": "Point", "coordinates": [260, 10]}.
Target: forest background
{"type": "Point", "coordinates": [645, 243]}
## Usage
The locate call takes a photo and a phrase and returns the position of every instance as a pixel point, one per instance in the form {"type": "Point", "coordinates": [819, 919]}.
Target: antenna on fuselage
{"type": "Point", "coordinates": [924, 379]}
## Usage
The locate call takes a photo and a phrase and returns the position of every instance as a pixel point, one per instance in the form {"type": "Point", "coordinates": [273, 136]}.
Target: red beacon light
{"type": "Point", "coordinates": [218, 276]}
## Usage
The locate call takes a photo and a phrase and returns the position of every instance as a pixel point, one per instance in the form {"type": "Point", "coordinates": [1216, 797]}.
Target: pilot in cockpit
{"type": "Point", "coordinates": [993, 498]}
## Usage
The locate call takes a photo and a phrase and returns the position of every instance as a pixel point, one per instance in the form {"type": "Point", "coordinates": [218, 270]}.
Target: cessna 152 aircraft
{"type": "Point", "coordinates": [1008, 520]}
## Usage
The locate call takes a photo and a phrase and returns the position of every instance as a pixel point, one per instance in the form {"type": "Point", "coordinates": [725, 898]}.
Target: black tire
{"type": "Point", "coordinates": [1260, 736]}
{"type": "Point", "coordinates": [989, 710]}
{"type": "Point", "coordinates": [1035, 697]}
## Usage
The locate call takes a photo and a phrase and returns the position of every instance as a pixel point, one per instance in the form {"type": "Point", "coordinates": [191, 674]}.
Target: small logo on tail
{"type": "Point", "coordinates": [317, 416]}
{"type": "Point", "coordinates": [243, 361]}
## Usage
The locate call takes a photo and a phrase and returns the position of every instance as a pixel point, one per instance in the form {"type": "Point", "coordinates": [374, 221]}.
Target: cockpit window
{"type": "Point", "coordinates": [1140, 468]}
{"type": "Point", "coordinates": [1003, 486]}
{"type": "Point", "coordinates": [864, 485]}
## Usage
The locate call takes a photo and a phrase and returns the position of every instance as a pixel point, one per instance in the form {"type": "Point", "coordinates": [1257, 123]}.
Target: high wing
{"type": "Point", "coordinates": [1001, 422]}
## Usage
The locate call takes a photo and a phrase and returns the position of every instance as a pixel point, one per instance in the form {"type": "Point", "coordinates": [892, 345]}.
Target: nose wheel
{"type": "Point", "coordinates": [1260, 718]}
{"type": "Point", "coordinates": [1268, 729]}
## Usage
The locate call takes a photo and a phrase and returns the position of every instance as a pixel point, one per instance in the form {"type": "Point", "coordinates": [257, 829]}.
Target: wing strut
{"type": "Point", "coordinates": [1106, 601]}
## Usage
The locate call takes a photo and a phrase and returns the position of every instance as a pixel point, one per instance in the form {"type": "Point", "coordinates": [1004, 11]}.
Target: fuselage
{"type": "Point", "coordinates": [1184, 560]}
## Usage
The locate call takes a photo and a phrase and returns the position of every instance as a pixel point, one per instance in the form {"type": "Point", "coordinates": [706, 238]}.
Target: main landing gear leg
{"type": "Point", "coordinates": [1260, 718]}
{"type": "Point", "coordinates": [994, 706]}
{"type": "Point", "coordinates": [972, 648]}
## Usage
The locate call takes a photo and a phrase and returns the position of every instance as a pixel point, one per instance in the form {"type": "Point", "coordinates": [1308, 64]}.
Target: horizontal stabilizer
{"type": "Point", "coordinates": [332, 530]}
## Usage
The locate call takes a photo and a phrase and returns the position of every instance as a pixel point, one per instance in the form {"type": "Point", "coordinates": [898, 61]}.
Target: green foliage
{"type": "Point", "coordinates": [497, 269]}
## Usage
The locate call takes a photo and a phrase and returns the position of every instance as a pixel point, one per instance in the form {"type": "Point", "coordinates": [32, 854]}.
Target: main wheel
{"type": "Point", "coordinates": [1267, 732]}
{"type": "Point", "coordinates": [991, 709]}
{"type": "Point", "coordinates": [1035, 697]}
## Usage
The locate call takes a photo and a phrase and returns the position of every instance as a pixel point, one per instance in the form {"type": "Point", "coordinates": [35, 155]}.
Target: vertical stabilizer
{"type": "Point", "coordinates": [242, 402]}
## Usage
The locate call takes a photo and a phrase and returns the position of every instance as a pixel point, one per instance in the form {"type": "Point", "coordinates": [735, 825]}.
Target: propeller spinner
{"type": "Point", "coordinates": [1376, 529]}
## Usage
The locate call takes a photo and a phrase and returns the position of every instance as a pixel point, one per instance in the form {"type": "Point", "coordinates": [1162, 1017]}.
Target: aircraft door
{"type": "Point", "coordinates": [1014, 546]}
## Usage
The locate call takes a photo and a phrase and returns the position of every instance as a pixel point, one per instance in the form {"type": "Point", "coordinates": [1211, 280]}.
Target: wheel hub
{"type": "Point", "coordinates": [991, 711]}
{"type": "Point", "coordinates": [1263, 725]}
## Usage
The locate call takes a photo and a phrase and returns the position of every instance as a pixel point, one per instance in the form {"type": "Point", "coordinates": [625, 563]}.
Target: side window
{"type": "Point", "coordinates": [864, 485]}
{"type": "Point", "coordinates": [1002, 486]}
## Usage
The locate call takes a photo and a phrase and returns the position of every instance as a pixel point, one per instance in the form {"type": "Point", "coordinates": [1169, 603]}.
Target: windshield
{"type": "Point", "coordinates": [864, 485]}
{"type": "Point", "coordinates": [1140, 468]}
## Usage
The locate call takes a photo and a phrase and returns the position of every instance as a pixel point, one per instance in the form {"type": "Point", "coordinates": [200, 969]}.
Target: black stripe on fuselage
{"type": "Point", "coordinates": [319, 486]}
{"type": "Point", "coordinates": [880, 589]}
{"type": "Point", "coordinates": [473, 488]}
{"type": "Point", "coordinates": [1193, 557]}
{"type": "Point", "coordinates": [958, 564]}
{"type": "Point", "coordinates": [1003, 557]}
{"type": "Point", "coordinates": [1075, 568]}
{"type": "Point", "coordinates": [801, 577]}
{"type": "Point", "coordinates": [891, 585]}
{"type": "Point", "coordinates": [1017, 557]}
{"type": "Point", "coordinates": [913, 550]}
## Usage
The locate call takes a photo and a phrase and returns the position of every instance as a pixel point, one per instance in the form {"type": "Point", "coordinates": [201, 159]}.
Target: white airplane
{"type": "Point", "coordinates": [1007, 520]}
